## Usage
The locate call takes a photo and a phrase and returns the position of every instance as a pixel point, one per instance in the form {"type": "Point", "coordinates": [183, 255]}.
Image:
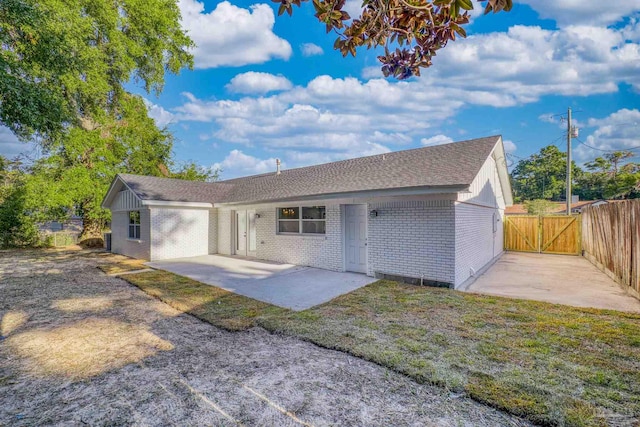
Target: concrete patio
{"type": "Point", "coordinates": [285, 285]}
{"type": "Point", "coordinates": [560, 279]}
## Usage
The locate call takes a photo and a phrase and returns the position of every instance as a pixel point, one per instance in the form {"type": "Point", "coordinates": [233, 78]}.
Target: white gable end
{"type": "Point", "coordinates": [486, 189]}
{"type": "Point", "coordinates": [125, 200]}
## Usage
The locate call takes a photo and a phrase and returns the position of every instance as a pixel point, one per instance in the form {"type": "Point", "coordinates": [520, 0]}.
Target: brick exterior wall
{"type": "Point", "coordinates": [120, 242]}
{"type": "Point", "coordinates": [179, 233]}
{"type": "Point", "coordinates": [213, 231]}
{"type": "Point", "coordinates": [324, 251]}
{"type": "Point", "coordinates": [413, 239]}
{"type": "Point", "coordinates": [476, 242]}
{"type": "Point", "coordinates": [225, 232]}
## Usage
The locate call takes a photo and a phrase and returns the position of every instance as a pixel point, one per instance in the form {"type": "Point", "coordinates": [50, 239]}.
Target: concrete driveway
{"type": "Point", "coordinates": [560, 279]}
{"type": "Point", "coordinates": [285, 285]}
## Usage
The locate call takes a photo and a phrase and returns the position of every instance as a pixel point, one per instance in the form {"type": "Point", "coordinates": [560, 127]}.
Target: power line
{"type": "Point", "coordinates": [608, 150]}
{"type": "Point", "coordinates": [565, 113]}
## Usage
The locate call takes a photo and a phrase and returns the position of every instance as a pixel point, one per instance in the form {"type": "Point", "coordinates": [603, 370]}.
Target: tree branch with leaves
{"type": "Point", "coordinates": [410, 31]}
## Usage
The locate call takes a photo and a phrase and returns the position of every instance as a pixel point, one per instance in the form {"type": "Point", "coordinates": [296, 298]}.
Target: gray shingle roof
{"type": "Point", "coordinates": [175, 190]}
{"type": "Point", "coordinates": [448, 165]}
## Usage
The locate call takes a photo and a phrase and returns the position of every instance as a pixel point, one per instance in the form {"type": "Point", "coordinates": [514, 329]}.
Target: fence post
{"type": "Point", "coordinates": [539, 234]}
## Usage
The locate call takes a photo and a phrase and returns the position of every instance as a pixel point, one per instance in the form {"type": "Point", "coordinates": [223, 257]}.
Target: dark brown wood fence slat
{"type": "Point", "coordinates": [611, 241]}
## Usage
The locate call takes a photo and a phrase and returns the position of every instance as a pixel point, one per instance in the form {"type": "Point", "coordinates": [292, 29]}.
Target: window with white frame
{"type": "Point", "coordinates": [302, 220]}
{"type": "Point", "coordinates": [134, 224]}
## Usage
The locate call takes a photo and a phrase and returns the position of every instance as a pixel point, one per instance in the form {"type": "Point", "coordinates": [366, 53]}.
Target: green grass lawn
{"type": "Point", "coordinates": [552, 364]}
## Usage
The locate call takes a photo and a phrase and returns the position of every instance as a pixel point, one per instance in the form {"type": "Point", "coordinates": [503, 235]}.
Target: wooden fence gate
{"type": "Point", "coordinates": [552, 234]}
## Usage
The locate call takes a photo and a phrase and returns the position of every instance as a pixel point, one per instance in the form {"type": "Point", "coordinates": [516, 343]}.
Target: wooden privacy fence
{"type": "Point", "coordinates": [611, 241]}
{"type": "Point", "coordinates": [553, 234]}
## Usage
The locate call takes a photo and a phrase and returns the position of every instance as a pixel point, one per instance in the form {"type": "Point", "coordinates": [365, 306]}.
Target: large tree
{"type": "Point", "coordinates": [410, 31]}
{"type": "Point", "coordinates": [17, 228]}
{"type": "Point", "coordinates": [76, 173]}
{"type": "Point", "coordinates": [542, 175]}
{"type": "Point", "coordinates": [65, 62]}
{"type": "Point", "coordinates": [64, 65]}
{"type": "Point", "coordinates": [611, 176]}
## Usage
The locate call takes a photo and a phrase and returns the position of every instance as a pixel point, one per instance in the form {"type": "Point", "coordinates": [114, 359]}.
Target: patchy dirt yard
{"type": "Point", "coordinates": [79, 347]}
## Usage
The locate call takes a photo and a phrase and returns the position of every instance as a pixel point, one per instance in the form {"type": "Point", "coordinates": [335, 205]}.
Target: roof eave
{"type": "Point", "coordinates": [175, 203]}
{"type": "Point", "coordinates": [407, 191]}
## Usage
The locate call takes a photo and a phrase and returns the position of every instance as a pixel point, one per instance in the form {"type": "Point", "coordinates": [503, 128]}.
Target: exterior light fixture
{"type": "Point", "coordinates": [373, 213]}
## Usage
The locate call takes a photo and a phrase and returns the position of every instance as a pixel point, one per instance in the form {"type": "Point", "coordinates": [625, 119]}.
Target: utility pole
{"type": "Point", "coordinates": [569, 136]}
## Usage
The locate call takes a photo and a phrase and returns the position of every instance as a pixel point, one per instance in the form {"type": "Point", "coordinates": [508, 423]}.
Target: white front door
{"type": "Point", "coordinates": [356, 238]}
{"type": "Point", "coordinates": [246, 233]}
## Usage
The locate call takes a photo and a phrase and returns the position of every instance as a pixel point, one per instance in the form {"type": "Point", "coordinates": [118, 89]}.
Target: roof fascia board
{"type": "Point", "coordinates": [159, 203]}
{"type": "Point", "coordinates": [503, 172]}
{"type": "Point", "coordinates": [409, 191]}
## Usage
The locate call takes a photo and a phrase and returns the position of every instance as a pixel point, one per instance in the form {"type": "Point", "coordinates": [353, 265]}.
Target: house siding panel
{"type": "Point", "coordinates": [125, 200]}
{"type": "Point", "coordinates": [120, 242]}
{"type": "Point", "coordinates": [179, 233]}
{"type": "Point", "coordinates": [412, 239]}
{"type": "Point", "coordinates": [485, 190]}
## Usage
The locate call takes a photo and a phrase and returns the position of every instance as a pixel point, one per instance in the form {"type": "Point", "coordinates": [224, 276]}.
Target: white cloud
{"type": "Point", "coordinates": [525, 63]}
{"type": "Point", "coordinates": [239, 164]}
{"type": "Point", "coordinates": [373, 72]}
{"type": "Point", "coordinates": [594, 12]}
{"type": "Point", "coordinates": [310, 49]}
{"type": "Point", "coordinates": [436, 140]}
{"type": "Point", "coordinates": [549, 118]}
{"type": "Point", "coordinates": [618, 131]}
{"type": "Point", "coordinates": [258, 83]}
{"type": "Point", "coordinates": [161, 116]}
{"type": "Point", "coordinates": [509, 146]}
{"type": "Point", "coordinates": [232, 36]}
{"type": "Point", "coordinates": [336, 118]}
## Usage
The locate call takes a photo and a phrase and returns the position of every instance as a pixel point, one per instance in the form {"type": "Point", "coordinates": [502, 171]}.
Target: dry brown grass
{"type": "Point", "coordinates": [84, 348]}
{"type": "Point", "coordinates": [123, 265]}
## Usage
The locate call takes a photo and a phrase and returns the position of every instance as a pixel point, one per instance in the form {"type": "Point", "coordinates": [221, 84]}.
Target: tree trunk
{"type": "Point", "coordinates": [92, 231]}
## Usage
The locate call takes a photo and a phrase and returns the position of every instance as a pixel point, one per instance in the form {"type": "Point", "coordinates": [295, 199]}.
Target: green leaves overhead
{"type": "Point", "coordinates": [64, 62]}
{"type": "Point", "coordinates": [411, 31]}
{"type": "Point", "coordinates": [542, 175]}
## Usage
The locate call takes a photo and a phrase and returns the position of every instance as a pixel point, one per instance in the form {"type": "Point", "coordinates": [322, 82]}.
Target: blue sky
{"type": "Point", "coordinates": [267, 87]}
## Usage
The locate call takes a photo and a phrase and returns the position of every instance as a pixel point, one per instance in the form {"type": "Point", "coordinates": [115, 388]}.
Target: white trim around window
{"type": "Point", "coordinates": [301, 220]}
{"type": "Point", "coordinates": [134, 225]}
